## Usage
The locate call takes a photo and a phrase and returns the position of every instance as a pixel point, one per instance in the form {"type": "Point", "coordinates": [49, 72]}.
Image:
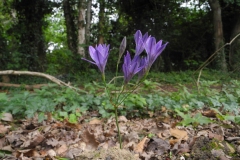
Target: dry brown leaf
{"type": "Point", "coordinates": [72, 125]}
{"type": "Point", "coordinates": [202, 133]}
{"type": "Point", "coordinates": [7, 148]}
{"type": "Point", "coordinates": [53, 142]}
{"type": "Point", "coordinates": [62, 149]}
{"type": "Point", "coordinates": [2, 142]}
{"type": "Point", "coordinates": [173, 141]}
{"type": "Point", "coordinates": [3, 129]}
{"type": "Point", "coordinates": [122, 119]}
{"type": "Point", "coordinates": [89, 139]}
{"type": "Point", "coordinates": [209, 113]}
{"type": "Point", "coordinates": [140, 146]}
{"type": "Point", "coordinates": [158, 146]}
{"type": "Point", "coordinates": [95, 121]}
{"type": "Point", "coordinates": [215, 136]}
{"type": "Point", "coordinates": [179, 134]}
{"type": "Point", "coordinates": [51, 153]}
{"type": "Point", "coordinates": [25, 153]}
{"type": "Point", "coordinates": [7, 117]}
{"type": "Point", "coordinates": [132, 136]}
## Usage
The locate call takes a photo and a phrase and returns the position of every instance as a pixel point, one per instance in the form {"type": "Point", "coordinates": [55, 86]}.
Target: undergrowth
{"type": "Point", "coordinates": [215, 92]}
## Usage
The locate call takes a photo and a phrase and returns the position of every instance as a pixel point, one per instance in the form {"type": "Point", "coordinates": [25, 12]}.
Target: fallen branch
{"type": "Point", "coordinates": [28, 87]}
{"type": "Point", "coordinates": [38, 74]}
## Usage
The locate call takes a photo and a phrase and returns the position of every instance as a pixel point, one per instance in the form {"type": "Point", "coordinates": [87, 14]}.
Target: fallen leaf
{"type": "Point", "coordinates": [179, 134]}
{"type": "Point", "coordinates": [158, 146]}
{"type": "Point", "coordinates": [62, 149]}
{"type": "Point", "coordinates": [51, 153]}
{"type": "Point", "coordinates": [89, 139]}
{"type": "Point", "coordinates": [215, 136]}
{"type": "Point", "coordinates": [7, 117]}
{"type": "Point", "coordinates": [53, 142]}
{"type": "Point", "coordinates": [217, 152]}
{"type": "Point", "coordinates": [3, 129]}
{"type": "Point", "coordinates": [95, 121]}
{"type": "Point", "coordinates": [210, 113]}
{"type": "Point", "coordinates": [140, 146]}
{"type": "Point", "coordinates": [122, 119]}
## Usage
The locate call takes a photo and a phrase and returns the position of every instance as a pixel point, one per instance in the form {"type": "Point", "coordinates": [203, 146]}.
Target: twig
{"type": "Point", "coordinates": [47, 76]}
{"type": "Point", "coordinates": [211, 58]}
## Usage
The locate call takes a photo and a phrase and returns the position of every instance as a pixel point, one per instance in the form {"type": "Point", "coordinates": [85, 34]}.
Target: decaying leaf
{"type": "Point", "coordinates": [3, 129]}
{"type": "Point", "coordinates": [89, 139]}
{"type": "Point", "coordinates": [7, 117]}
{"type": "Point", "coordinates": [179, 134]}
{"type": "Point", "coordinates": [95, 121]}
{"type": "Point", "coordinates": [158, 146]}
{"type": "Point", "coordinates": [62, 149]}
{"type": "Point", "coordinates": [140, 146]}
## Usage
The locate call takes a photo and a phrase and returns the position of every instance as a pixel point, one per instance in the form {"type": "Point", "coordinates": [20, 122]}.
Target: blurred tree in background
{"type": "Point", "coordinates": [52, 35]}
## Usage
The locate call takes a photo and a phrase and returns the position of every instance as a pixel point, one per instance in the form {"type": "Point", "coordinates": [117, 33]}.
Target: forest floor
{"type": "Point", "coordinates": [94, 138]}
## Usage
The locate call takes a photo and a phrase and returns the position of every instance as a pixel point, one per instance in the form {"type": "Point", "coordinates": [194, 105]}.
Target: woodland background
{"type": "Point", "coordinates": [52, 36]}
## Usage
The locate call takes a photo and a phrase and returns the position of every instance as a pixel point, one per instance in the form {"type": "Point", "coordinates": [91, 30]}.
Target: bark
{"type": "Point", "coordinates": [81, 27]}
{"type": "Point", "coordinates": [30, 25]}
{"type": "Point", "coordinates": [235, 47]}
{"type": "Point", "coordinates": [220, 61]}
{"type": "Point", "coordinates": [101, 22]}
{"type": "Point", "coordinates": [88, 21]}
{"type": "Point", "coordinates": [70, 25]}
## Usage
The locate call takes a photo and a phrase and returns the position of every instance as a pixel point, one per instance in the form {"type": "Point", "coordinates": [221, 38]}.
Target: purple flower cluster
{"type": "Point", "coordinates": [138, 65]}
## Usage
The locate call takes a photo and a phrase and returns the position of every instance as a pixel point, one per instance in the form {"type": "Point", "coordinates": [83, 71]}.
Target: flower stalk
{"type": "Point", "coordinates": [131, 66]}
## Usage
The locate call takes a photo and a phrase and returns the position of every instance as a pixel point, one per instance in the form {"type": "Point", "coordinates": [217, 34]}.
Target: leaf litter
{"type": "Point", "coordinates": [150, 138]}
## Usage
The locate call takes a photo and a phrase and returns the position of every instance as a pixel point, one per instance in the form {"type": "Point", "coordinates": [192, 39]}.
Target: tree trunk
{"type": "Point", "coordinates": [88, 21]}
{"type": "Point", "coordinates": [31, 20]}
{"type": "Point", "coordinates": [81, 27]}
{"type": "Point", "coordinates": [220, 61]}
{"type": "Point", "coordinates": [101, 22]}
{"type": "Point", "coordinates": [234, 55]}
{"type": "Point", "coordinates": [70, 25]}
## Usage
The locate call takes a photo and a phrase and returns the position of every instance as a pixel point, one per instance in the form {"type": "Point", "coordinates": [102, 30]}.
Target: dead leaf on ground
{"type": "Point", "coordinates": [179, 134]}
{"type": "Point", "coordinates": [140, 146]}
{"type": "Point", "coordinates": [209, 113]}
{"type": "Point", "coordinates": [215, 136]}
{"type": "Point", "coordinates": [95, 121]}
{"type": "Point", "coordinates": [62, 149]}
{"type": "Point", "coordinates": [122, 119]}
{"type": "Point", "coordinates": [89, 139]}
{"type": "Point", "coordinates": [3, 129]}
{"type": "Point", "coordinates": [7, 117]}
{"type": "Point", "coordinates": [158, 146]}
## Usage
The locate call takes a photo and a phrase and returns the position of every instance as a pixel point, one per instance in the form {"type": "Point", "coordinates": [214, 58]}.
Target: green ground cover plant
{"type": "Point", "coordinates": [63, 102]}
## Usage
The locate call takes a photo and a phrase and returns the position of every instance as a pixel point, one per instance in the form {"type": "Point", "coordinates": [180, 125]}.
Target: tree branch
{"type": "Point", "coordinates": [38, 74]}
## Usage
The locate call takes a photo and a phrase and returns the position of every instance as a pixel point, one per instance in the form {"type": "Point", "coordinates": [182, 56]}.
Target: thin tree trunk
{"type": "Point", "coordinates": [235, 47]}
{"type": "Point", "coordinates": [220, 62]}
{"type": "Point", "coordinates": [88, 21]}
{"type": "Point", "coordinates": [101, 22]}
{"type": "Point", "coordinates": [70, 25]}
{"type": "Point", "coordinates": [81, 27]}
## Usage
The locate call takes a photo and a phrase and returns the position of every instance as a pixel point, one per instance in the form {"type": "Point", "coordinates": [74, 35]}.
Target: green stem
{"type": "Point", "coordinates": [104, 81]}
{"type": "Point", "coordinates": [118, 130]}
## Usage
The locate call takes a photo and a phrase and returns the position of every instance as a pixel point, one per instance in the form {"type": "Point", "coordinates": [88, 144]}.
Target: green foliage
{"type": "Point", "coordinates": [195, 120]}
{"type": "Point", "coordinates": [65, 103]}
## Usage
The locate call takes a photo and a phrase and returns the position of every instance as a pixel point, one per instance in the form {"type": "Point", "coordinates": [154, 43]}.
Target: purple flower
{"type": "Point", "coordinates": [142, 72]}
{"type": "Point", "coordinates": [130, 67]}
{"type": "Point", "coordinates": [99, 55]}
{"type": "Point", "coordinates": [140, 41]}
{"type": "Point", "coordinates": [153, 50]}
